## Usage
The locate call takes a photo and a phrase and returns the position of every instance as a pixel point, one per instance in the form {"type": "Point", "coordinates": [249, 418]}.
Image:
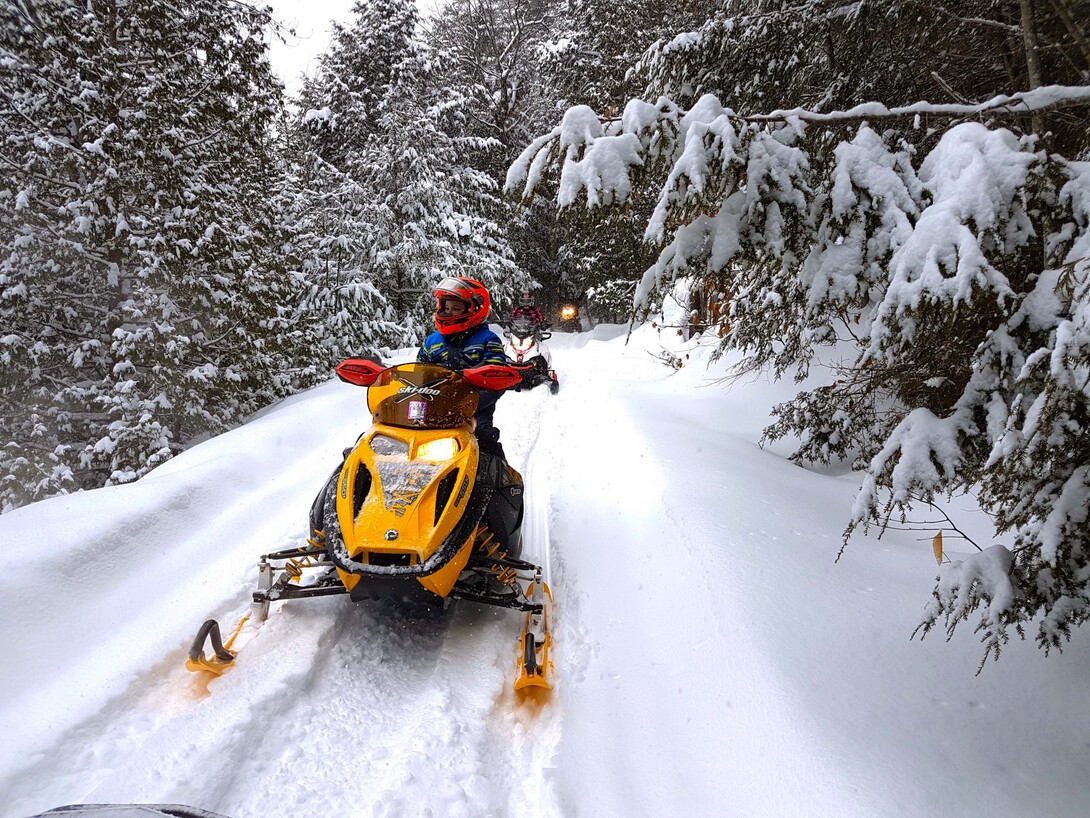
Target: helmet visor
{"type": "Point", "coordinates": [455, 287]}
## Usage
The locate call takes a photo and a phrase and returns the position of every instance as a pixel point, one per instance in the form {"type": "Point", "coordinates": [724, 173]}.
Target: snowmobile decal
{"type": "Point", "coordinates": [402, 482]}
{"type": "Point", "coordinates": [406, 392]}
{"type": "Point", "coordinates": [427, 390]}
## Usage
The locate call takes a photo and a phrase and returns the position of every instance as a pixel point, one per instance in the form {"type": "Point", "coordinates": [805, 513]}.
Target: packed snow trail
{"type": "Point", "coordinates": [711, 658]}
{"type": "Point", "coordinates": [721, 663]}
{"type": "Point", "coordinates": [333, 709]}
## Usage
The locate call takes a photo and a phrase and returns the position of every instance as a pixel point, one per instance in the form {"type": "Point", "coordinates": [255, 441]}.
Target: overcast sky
{"type": "Point", "coordinates": [310, 19]}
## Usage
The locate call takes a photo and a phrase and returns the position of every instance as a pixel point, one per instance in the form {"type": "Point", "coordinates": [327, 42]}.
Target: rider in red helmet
{"type": "Point", "coordinates": [462, 341]}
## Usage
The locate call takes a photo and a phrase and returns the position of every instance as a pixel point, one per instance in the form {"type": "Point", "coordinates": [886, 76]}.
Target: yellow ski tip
{"type": "Point", "coordinates": [535, 668]}
{"type": "Point", "coordinates": [214, 665]}
{"type": "Point", "coordinates": [532, 684]}
{"type": "Point", "coordinates": [222, 656]}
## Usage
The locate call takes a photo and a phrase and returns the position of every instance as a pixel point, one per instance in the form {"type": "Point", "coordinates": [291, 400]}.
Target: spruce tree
{"type": "Point", "coordinates": [945, 260]}
{"type": "Point", "coordinates": [132, 290]}
{"type": "Point", "coordinates": [410, 201]}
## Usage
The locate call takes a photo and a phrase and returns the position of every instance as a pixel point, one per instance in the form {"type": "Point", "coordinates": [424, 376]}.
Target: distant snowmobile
{"type": "Point", "coordinates": [569, 317]}
{"type": "Point", "coordinates": [525, 348]}
{"type": "Point", "coordinates": [415, 512]}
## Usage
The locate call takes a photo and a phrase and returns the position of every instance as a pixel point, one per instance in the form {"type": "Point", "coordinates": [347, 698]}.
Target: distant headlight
{"type": "Point", "coordinates": [567, 313]}
{"type": "Point", "coordinates": [436, 451]}
{"type": "Point", "coordinates": [383, 444]}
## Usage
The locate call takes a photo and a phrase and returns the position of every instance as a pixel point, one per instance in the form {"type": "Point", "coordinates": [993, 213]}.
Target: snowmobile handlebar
{"type": "Point", "coordinates": [364, 372]}
{"type": "Point", "coordinates": [493, 376]}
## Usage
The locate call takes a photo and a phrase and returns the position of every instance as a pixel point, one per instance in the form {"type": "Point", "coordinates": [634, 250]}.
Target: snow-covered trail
{"type": "Point", "coordinates": [334, 709]}
{"type": "Point", "coordinates": [716, 660]}
{"type": "Point", "coordinates": [684, 693]}
{"type": "Point", "coordinates": [711, 658]}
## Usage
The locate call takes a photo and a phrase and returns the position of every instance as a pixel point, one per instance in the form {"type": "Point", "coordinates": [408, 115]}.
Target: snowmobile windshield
{"type": "Point", "coordinates": [522, 327]}
{"type": "Point", "coordinates": [422, 396]}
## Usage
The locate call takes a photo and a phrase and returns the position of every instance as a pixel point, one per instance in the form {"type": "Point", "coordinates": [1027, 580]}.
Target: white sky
{"type": "Point", "coordinates": [711, 657]}
{"type": "Point", "coordinates": [311, 21]}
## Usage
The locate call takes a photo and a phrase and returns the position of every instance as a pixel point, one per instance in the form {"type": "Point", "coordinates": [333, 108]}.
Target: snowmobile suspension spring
{"type": "Point", "coordinates": [491, 548]}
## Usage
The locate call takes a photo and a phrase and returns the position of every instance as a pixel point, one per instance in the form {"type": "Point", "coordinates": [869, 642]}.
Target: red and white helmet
{"type": "Point", "coordinates": [469, 292]}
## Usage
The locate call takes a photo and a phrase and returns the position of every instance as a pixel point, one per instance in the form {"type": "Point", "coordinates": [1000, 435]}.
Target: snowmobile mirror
{"type": "Point", "coordinates": [359, 371]}
{"type": "Point", "coordinates": [493, 376]}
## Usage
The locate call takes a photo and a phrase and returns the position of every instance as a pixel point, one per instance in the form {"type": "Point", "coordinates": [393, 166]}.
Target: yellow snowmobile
{"type": "Point", "coordinates": [416, 512]}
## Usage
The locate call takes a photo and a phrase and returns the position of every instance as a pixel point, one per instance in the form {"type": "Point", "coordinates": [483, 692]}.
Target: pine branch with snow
{"type": "Point", "coordinates": [933, 256]}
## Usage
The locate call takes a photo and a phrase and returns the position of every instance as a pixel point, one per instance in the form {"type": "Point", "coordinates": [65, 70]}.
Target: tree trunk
{"type": "Point", "coordinates": [1073, 28]}
{"type": "Point", "coordinates": [1033, 61]}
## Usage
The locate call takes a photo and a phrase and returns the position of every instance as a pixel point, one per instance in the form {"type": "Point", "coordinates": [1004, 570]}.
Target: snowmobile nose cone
{"type": "Point", "coordinates": [391, 534]}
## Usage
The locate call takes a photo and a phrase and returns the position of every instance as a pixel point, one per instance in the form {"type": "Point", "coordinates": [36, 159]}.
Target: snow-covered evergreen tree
{"type": "Point", "coordinates": [493, 53]}
{"type": "Point", "coordinates": [446, 209]}
{"type": "Point", "coordinates": [410, 206]}
{"type": "Point", "coordinates": [136, 172]}
{"type": "Point", "coordinates": [595, 43]}
{"type": "Point", "coordinates": [951, 259]}
{"type": "Point", "coordinates": [354, 75]}
{"type": "Point", "coordinates": [332, 228]}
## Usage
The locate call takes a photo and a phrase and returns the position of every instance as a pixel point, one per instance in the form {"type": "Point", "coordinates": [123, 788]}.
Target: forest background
{"type": "Point", "coordinates": [904, 183]}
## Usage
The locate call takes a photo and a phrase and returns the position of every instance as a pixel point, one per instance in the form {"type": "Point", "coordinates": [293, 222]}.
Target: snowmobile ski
{"type": "Point", "coordinates": [535, 668]}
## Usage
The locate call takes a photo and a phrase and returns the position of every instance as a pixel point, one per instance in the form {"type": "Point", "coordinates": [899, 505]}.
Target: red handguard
{"type": "Point", "coordinates": [359, 371]}
{"type": "Point", "coordinates": [493, 376]}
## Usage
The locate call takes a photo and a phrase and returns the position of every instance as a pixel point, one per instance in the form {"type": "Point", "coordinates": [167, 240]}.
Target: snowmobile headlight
{"type": "Point", "coordinates": [384, 444]}
{"type": "Point", "coordinates": [436, 451]}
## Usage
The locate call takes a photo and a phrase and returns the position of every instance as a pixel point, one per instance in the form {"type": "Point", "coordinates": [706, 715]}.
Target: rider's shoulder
{"type": "Point", "coordinates": [483, 334]}
{"type": "Point", "coordinates": [434, 340]}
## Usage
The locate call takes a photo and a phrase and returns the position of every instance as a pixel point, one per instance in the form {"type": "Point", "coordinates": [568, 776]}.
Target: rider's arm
{"type": "Point", "coordinates": [492, 352]}
{"type": "Point", "coordinates": [431, 350]}
{"type": "Point", "coordinates": [486, 348]}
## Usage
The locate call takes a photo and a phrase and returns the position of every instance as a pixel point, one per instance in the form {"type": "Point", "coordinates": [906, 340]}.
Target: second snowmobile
{"type": "Point", "coordinates": [415, 512]}
{"type": "Point", "coordinates": [524, 346]}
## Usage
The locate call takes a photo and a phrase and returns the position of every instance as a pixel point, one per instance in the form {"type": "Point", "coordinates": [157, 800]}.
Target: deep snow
{"type": "Point", "coordinates": [711, 658]}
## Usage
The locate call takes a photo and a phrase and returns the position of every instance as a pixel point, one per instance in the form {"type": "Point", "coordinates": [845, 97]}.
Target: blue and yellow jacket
{"type": "Point", "coordinates": [476, 346]}
{"type": "Point", "coordinates": [463, 350]}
